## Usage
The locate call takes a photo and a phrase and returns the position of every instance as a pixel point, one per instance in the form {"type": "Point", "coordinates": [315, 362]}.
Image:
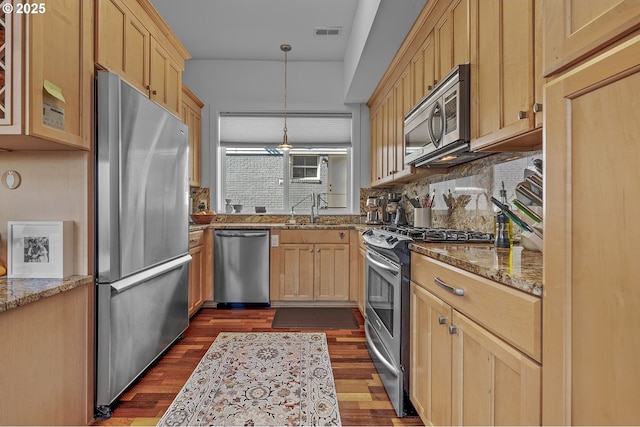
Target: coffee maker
{"type": "Point", "coordinates": [395, 211]}
{"type": "Point", "coordinates": [374, 210]}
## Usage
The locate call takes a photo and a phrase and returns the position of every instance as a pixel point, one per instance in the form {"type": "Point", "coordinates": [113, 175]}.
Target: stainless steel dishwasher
{"type": "Point", "coordinates": [241, 267]}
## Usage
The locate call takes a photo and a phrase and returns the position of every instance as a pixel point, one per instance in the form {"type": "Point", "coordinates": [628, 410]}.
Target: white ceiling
{"type": "Point", "coordinates": [371, 32]}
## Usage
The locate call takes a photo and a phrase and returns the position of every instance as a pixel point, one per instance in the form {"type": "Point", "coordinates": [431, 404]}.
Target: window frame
{"type": "Point", "coordinates": [287, 179]}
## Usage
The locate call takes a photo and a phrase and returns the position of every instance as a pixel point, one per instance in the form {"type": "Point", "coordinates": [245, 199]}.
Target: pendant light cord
{"type": "Point", "coordinates": [285, 91]}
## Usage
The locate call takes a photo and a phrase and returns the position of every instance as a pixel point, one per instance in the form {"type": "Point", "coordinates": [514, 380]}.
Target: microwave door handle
{"type": "Point", "coordinates": [434, 140]}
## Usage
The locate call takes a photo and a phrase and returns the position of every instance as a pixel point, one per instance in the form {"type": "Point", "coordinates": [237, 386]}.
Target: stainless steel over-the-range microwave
{"type": "Point", "coordinates": [437, 130]}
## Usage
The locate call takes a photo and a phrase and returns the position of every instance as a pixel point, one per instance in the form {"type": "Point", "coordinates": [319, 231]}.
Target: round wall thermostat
{"type": "Point", "coordinates": [11, 179]}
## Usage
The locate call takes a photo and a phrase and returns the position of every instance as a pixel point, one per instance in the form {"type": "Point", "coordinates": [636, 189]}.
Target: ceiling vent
{"type": "Point", "coordinates": [327, 31]}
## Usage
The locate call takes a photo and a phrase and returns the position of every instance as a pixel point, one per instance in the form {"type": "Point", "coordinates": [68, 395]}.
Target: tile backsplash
{"type": "Point", "coordinates": [463, 194]}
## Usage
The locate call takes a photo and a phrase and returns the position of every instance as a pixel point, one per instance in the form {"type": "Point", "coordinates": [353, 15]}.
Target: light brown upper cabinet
{"type": "Point", "coordinates": [123, 43]}
{"type": "Point", "coordinates": [503, 76]}
{"type": "Point", "coordinates": [134, 42]}
{"type": "Point", "coordinates": [575, 29]}
{"type": "Point", "coordinates": [445, 46]}
{"type": "Point", "coordinates": [451, 35]}
{"type": "Point", "coordinates": [191, 115]}
{"type": "Point", "coordinates": [46, 83]}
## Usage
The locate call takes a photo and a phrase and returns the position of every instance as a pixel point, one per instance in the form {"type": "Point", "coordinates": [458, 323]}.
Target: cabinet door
{"type": "Point", "coordinates": [296, 272]}
{"type": "Point", "coordinates": [452, 39]}
{"type": "Point", "coordinates": [68, 65]}
{"type": "Point", "coordinates": [195, 128]}
{"type": "Point", "coordinates": [575, 29]}
{"type": "Point", "coordinates": [493, 383]}
{"type": "Point", "coordinates": [592, 300]}
{"type": "Point", "coordinates": [331, 272]}
{"type": "Point", "coordinates": [401, 91]}
{"type": "Point", "coordinates": [123, 43]}
{"type": "Point", "coordinates": [196, 273]}
{"type": "Point", "coordinates": [362, 268]}
{"type": "Point", "coordinates": [376, 150]}
{"type": "Point", "coordinates": [430, 372]}
{"type": "Point", "coordinates": [417, 77]}
{"type": "Point", "coordinates": [207, 286]}
{"type": "Point", "coordinates": [165, 79]}
{"type": "Point", "coordinates": [502, 69]}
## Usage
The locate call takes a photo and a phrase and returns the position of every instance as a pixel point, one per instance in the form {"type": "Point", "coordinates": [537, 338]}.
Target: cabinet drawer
{"type": "Point", "coordinates": [314, 236]}
{"type": "Point", "coordinates": [511, 314]}
{"type": "Point", "coordinates": [195, 238]}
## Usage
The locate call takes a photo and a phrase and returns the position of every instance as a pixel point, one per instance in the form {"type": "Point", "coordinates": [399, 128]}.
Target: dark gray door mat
{"type": "Point", "coordinates": [314, 318]}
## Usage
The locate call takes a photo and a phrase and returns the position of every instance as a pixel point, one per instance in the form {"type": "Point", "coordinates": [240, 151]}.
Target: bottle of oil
{"type": "Point", "coordinates": [503, 227]}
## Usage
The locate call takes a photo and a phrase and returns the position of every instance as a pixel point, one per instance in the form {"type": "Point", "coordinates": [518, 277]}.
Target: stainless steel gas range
{"type": "Point", "coordinates": [388, 275]}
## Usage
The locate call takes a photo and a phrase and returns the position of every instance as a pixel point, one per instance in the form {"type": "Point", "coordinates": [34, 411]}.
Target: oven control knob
{"type": "Point", "coordinates": [367, 232]}
{"type": "Point", "coordinates": [390, 239]}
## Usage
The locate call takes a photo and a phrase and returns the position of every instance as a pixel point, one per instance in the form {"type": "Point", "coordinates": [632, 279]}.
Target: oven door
{"type": "Point", "coordinates": [383, 322]}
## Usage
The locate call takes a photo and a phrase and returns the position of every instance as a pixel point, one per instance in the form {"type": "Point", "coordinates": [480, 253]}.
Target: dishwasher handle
{"type": "Point", "coordinates": [237, 233]}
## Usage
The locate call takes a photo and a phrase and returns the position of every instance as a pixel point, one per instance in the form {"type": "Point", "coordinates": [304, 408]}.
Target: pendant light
{"type": "Point", "coordinates": [285, 142]}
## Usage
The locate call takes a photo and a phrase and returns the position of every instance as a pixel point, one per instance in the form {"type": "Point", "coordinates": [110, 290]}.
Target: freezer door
{"type": "Point", "coordinates": [138, 319]}
{"type": "Point", "coordinates": [142, 179]}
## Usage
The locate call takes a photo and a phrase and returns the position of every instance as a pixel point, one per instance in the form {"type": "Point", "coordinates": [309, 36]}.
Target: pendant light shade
{"type": "Point", "coordinates": [285, 140]}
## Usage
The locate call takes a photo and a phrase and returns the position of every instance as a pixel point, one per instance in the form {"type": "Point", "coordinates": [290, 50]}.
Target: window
{"type": "Point", "coordinates": [305, 167]}
{"type": "Point", "coordinates": [256, 174]}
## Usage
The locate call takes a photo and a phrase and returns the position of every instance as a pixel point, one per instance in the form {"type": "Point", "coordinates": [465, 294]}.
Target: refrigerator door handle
{"type": "Point", "coordinates": [131, 281]}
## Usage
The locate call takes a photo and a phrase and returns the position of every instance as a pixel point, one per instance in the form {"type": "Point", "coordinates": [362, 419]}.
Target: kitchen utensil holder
{"type": "Point", "coordinates": [422, 217]}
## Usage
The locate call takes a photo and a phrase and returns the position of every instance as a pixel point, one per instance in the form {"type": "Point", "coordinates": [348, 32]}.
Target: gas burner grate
{"type": "Point", "coordinates": [439, 234]}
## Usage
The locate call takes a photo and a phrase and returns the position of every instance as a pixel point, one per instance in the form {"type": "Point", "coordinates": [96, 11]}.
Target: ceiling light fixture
{"type": "Point", "coordinates": [285, 141]}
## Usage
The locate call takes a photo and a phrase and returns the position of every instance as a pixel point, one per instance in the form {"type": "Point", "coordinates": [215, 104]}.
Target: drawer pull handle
{"type": "Point", "coordinates": [442, 320]}
{"type": "Point", "coordinates": [455, 291]}
{"type": "Point", "coordinates": [453, 329]}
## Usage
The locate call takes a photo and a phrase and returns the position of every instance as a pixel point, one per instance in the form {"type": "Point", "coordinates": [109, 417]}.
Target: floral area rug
{"type": "Point", "coordinates": [266, 379]}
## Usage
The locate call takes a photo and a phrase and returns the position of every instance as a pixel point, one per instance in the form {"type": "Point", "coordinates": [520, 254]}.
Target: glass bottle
{"type": "Point", "coordinates": [503, 228]}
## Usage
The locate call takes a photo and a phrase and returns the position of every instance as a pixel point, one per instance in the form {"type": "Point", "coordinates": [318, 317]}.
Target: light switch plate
{"type": "Point", "coordinates": [275, 241]}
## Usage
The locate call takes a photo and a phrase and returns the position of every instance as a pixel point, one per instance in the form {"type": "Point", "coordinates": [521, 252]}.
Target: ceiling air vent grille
{"type": "Point", "coordinates": [327, 31]}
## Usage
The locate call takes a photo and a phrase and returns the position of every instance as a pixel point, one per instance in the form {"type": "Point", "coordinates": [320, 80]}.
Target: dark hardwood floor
{"type": "Point", "coordinates": [361, 395]}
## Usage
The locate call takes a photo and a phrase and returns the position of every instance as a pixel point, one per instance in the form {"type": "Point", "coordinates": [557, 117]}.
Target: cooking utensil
{"type": "Point", "coordinates": [524, 190]}
{"type": "Point", "coordinates": [537, 163]}
{"type": "Point", "coordinates": [517, 221]}
{"type": "Point", "coordinates": [531, 214]}
{"type": "Point", "coordinates": [534, 185]}
{"type": "Point", "coordinates": [415, 202]}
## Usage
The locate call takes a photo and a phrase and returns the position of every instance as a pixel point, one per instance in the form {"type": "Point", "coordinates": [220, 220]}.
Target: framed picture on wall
{"type": "Point", "coordinates": [40, 249]}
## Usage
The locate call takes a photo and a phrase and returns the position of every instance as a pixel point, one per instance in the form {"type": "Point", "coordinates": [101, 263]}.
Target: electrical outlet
{"type": "Point", "coordinates": [275, 241]}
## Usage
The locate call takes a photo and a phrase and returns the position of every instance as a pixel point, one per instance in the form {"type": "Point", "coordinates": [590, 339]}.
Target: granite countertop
{"type": "Point", "coordinates": [17, 292]}
{"type": "Point", "coordinates": [280, 226]}
{"type": "Point", "coordinates": [516, 267]}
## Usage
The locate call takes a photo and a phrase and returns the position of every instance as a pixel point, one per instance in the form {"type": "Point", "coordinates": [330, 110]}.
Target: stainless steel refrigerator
{"type": "Point", "coordinates": [142, 260]}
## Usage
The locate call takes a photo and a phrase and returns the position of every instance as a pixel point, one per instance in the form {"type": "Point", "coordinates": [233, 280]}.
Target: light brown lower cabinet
{"type": "Point", "coordinates": [314, 272]}
{"type": "Point", "coordinates": [472, 371]}
{"type": "Point", "coordinates": [197, 271]}
{"type": "Point", "coordinates": [312, 265]}
{"type": "Point", "coordinates": [46, 360]}
{"type": "Point", "coordinates": [462, 374]}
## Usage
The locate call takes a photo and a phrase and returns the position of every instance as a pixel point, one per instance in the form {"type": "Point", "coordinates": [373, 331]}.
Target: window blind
{"type": "Point", "coordinates": [304, 130]}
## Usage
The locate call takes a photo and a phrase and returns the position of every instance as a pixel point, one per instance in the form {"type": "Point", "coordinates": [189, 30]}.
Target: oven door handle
{"type": "Point", "coordinates": [377, 263]}
{"type": "Point", "coordinates": [377, 353]}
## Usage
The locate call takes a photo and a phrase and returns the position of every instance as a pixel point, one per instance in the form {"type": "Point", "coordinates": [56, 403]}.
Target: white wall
{"type": "Point", "coordinates": [54, 187]}
{"type": "Point", "coordinates": [259, 86]}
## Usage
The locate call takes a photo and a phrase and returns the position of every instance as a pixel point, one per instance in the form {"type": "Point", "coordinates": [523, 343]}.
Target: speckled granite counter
{"type": "Point", "coordinates": [518, 267]}
{"type": "Point", "coordinates": [17, 292]}
{"type": "Point", "coordinates": [279, 226]}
